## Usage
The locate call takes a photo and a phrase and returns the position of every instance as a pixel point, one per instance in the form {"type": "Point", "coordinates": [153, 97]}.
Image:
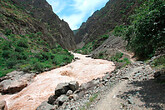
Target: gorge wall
{"type": "Point", "coordinates": [103, 21]}
{"type": "Point", "coordinates": [36, 16]}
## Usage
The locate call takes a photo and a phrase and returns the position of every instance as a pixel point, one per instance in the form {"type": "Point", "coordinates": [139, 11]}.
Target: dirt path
{"type": "Point", "coordinates": [82, 70]}
{"type": "Point", "coordinates": [129, 54]}
{"type": "Point", "coordinates": [138, 92]}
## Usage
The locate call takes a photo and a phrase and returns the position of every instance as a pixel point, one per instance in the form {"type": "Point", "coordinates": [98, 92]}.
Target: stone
{"type": "Point", "coordinates": [73, 85]}
{"type": "Point", "coordinates": [3, 105]}
{"type": "Point", "coordinates": [160, 76]}
{"type": "Point", "coordinates": [61, 88]}
{"type": "Point", "coordinates": [52, 99]}
{"type": "Point", "coordinates": [76, 58]}
{"type": "Point", "coordinates": [70, 92]}
{"type": "Point", "coordinates": [16, 81]}
{"type": "Point", "coordinates": [106, 77]}
{"type": "Point", "coordinates": [45, 106]}
{"type": "Point", "coordinates": [125, 78]}
{"type": "Point", "coordinates": [60, 100]}
{"type": "Point", "coordinates": [73, 96]}
{"type": "Point", "coordinates": [157, 74]}
{"type": "Point", "coordinates": [88, 85]}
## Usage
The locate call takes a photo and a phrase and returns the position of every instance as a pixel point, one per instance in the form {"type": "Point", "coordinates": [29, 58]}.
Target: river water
{"type": "Point", "coordinates": [82, 70]}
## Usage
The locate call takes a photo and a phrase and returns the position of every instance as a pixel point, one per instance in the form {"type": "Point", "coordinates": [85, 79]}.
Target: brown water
{"type": "Point", "coordinates": [44, 84]}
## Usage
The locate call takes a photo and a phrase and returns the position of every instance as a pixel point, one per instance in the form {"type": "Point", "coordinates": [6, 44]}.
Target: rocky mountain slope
{"type": "Point", "coordinates": [103, 21]}
{"type": "Point", "coordinates": [36, 16]}
{"type": "Point", "coordinates": [30, 34]}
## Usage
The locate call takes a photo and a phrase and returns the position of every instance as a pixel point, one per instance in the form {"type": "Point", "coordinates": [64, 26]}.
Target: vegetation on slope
{"type": "Point", "coordinates": [146, 33]}
{"type": "Point", "coordinates": [30, 54]}
{"type": "Point", "coordinates": [22, 46]}
{"type": "Point", "coordinates": [88, 48]}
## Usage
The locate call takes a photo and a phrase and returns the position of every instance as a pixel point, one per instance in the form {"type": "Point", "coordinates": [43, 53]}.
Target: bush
{"type": "Point", "coordinates": [117, 57]}
{"type": "Point", "coordinates": [11, 64]}
{"type": "Point", "coordinates": [7, 31]}
{"type": "Point", "coordinates": [20, 56]}
{"type": "Point", "coordinates": [19, 49]}
{"type": "Point", "coordinates": [22, 43]}
{"type": "Point", "coordinates": [146, 32]}
{"type": "Point", "coordinates": [6, 54]}
{"type": "Point", "coordinates": [38, 67]}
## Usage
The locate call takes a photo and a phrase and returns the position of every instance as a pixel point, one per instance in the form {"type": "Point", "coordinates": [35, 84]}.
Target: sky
{"type": "Point", "coordinates": [75, 12]}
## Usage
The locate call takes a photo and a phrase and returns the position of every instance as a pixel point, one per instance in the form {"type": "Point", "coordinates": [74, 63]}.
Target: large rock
{"type": "Point", "coordinates": [45, 106]}
{"type": "Point", "coordinates": [15, 82]}
{"type": "Point", "coordinates": [3, 105]}
{"type": "Point", "coordinates": [160, 75]}
{"type": "Point", "coordinates": [60, 100]}
{"type": "Point", "coordinates": [90, 84]}
{"type": "Point", "coordinates": [73, 85]}
{"type": "Point", "coordinates": [62, 88]}
{"type": "Point", "coordinates": [52, 99]}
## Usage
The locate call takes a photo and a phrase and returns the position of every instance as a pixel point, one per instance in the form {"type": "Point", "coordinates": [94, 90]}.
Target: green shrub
{"type": "Point", "coordinates": [159, 62]}
{"type": "Point", "coordinates": [117, 57]}
{"type": "Point", "coordinates": [19, 49]}
{"type": "Point", "coordinates": [11, 64]}
{"type": "Point", "coordinates": [6, 54]}
{"type": "Point", "coordinates": [38, 67]}
{"type": "Point", "coordinates": [6, 45]}
{"type": "Point", "coordinates": [26, 67]}
{"type": "Point", "coordinates": [145, 34]}
{"type": "Point", "coordinates": [22, 43]}
{"type": "Point", "coordinates": [7, 31]}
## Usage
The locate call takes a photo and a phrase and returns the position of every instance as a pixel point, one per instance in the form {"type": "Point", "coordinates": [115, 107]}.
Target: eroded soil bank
{"type": "Point", "coordinates": [82, 70]}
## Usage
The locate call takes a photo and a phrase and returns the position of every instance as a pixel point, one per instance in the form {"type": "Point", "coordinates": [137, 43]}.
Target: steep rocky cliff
{"type": "Point", "coordinates": [38, 17]}
{"type": "Point", "coordinates": [103, 21]}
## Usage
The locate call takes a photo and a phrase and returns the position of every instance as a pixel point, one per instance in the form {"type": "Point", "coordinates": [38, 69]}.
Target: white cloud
{"type": "Point", "coordinates": [57, 5]}
{"type": "Point", "coordinates": [81, 9]}
{"type": "Point", "coordinates": [73, 20]}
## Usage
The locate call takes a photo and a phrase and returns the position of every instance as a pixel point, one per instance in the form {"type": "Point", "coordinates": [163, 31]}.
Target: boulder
{"type": "Point", "coordinates": [60, 100]}
{"type": "Point", "coordinates": [15, 82]}
{"type": "Point", "coordinates": [3, 105]}
{"type": "Point", "coordinates": [52, 99]}
{"type": "Point", "coordinates": [45, 106]}
{"type": "Point", "coordinates": [73, 96]}
{"type": "Point", "coordinates": [90, 84]}
{"type": "Point", "coordinates": [70, 92]}
{"type": "Point", "coordinates": [73, 85]}
{"type": "Point", "coordinates": [63, 88]}
{"type": "Point", "coordinates": [160, 76]}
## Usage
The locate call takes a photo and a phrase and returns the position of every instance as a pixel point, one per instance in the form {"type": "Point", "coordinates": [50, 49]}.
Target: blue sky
{"type": "Point", "coordinates": [76, 11]}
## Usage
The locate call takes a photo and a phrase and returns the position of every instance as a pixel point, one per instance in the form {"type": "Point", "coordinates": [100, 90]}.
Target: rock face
{"type": "Point", "coordinates": [114, 13]}
{"type": "Point", "coordinates": [38, 17]}
{"type": "Point", "coordinates": [15, 82]}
